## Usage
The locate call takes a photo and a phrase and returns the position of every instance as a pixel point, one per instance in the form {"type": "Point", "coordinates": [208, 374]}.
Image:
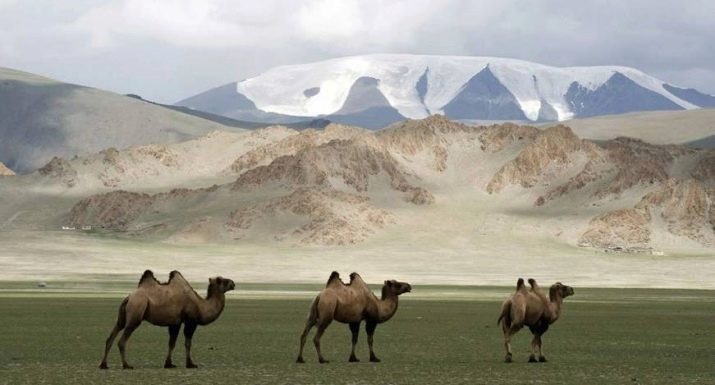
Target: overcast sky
{"type": "Point", "coordinates": [168, 50]}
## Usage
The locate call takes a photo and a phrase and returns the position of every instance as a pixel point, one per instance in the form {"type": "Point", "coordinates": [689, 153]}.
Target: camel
{"type": "Point", "coordinates": [167, 304]}
{"type": "Point", "coordinates": [351, 304]}
{"type": "Point", "coordinates": [530, 307]}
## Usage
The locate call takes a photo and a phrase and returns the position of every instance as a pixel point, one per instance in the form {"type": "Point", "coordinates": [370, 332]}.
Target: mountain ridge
{"type": "Point", "coordinates": [347, 185]}
{"type": "Point", "coordinates": [461, 87]}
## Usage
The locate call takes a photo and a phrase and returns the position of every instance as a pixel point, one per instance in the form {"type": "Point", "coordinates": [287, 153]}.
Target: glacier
{"type": "Point", "coordinates": [291, 89]}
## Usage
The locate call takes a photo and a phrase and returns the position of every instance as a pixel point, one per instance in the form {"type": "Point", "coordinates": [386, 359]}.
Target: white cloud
{"type": "Point", "coordinates": [183, 46]}
{"type": "Point", "coordinates": [329, 19]}
{"type": "Point", "coordinates": [199, 23]}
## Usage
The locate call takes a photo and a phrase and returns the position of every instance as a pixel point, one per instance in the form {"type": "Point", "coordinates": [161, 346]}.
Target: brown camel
{"type": "Point", "coordinates": [351, 304]}
{"type": "Point", "coordinates": [530, 307]}
{"type": "Point", "coordinates": [168, 304]}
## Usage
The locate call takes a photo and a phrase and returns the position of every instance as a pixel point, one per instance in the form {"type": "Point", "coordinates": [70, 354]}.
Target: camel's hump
{"type": "Point", "coordinates": [175, 273]}
{"type": "Point", "coordinates": [148, 276]}
{"type": "Point", "coordinates": [334, 277]}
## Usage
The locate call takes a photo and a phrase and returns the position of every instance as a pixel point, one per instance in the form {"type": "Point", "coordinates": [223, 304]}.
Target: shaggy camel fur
{"type": "Point", "coordinates": [530, 307]}
{"type": "Point", "coordinates": [351, 304]}
{"type": "Point", "coordinates": [168, 304]}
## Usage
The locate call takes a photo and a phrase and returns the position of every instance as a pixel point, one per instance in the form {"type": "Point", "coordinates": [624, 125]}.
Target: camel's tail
{"type": "Point", "coordinates": [122, 316]}
{"type": "Point", "coordinates": [505, 314]}
{"type": "Point", "coordinates": [313, 313]}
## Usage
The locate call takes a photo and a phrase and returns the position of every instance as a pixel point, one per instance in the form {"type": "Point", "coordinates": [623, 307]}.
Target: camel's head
{"type": "Point", "coordinates": [561, 289]}
{"type": "Point", "coordinates": [397, 287]}
{"type": "Point", "coordinates": [222, 284]}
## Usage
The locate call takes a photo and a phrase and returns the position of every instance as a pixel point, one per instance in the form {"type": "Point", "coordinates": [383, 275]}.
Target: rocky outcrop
{"type": "Point", "coordinates": [704, 170]}
{"type": "Point", "coordinates": [353, 162]}
{"type": "Point", "coordinates": [61, 170]}
{"type": "Point", "coordinates": [112, 211]}
{"type": "Point", "coordinates": [431, 135]}
{"type": "Point", "coordinates": [119, 210]}
{"type": "Point", "coordinates": [290, 145]}
{"type": "Point", "coordinates": [4, 171]}
{"type": "Point", "coordinates": [687, 207]}
{"type": "Point", "coordinates": [495, 138]}
{"type": "Point", "coordinates": [162, 153]}
{"type": "Point", "coordinates": [332, 217]}
{"type": "Point", "coordinates": [638, 163]}
{"type": "Point", "coordinates": [550, 150]}
{"type": "Point", "coordinates": [592, 171]}
{"type": "Point", "coordinates": [625, 229]}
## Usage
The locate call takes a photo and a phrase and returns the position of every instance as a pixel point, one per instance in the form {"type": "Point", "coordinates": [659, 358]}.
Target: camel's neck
{"type": "Point", "coordinates": [555, 302]}
{"type": "Point", "coordinates": [211, 306]}
{"type": "Point", "coordinates": [386, 307]}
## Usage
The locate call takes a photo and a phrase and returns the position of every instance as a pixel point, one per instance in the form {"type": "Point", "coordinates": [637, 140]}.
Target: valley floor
{"type": "Point", "coordinates": [444, 335]}
{"type": "Point", "coordinates": [35, 256]}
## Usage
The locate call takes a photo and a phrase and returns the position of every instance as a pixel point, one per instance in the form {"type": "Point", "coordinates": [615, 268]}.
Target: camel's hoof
{"type": "Point", "coordinates": [353, 359]}
{"type": "Point", "coordinates": [374, 359]}
{"type": "Point", "coordinates": [103, 365]}
{"type": "Point", "coordinates": [125, 366]}
{"type": "Point", "coordinates": [169, 365]}
{"type": "Point", "coordinates": [191, 366]}
{"type": "Point", "coordinates": [323, 361]}
{"type": "Point", "coordinates": [507, 358]}
{"type": "Point", "coordinates": [542, 359]}
{"type": "Point", "coordinates": [532, 358]}
{"type": "Point", "coordinates": [300, 360]}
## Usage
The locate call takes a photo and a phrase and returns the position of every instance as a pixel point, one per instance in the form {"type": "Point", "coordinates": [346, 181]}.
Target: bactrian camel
{"type": "Point", "coordinates": [351, 304]}
{"type": "Point", "coordinates": [168, 304]}
{"type": "Point", "coordinates": [530, 307]}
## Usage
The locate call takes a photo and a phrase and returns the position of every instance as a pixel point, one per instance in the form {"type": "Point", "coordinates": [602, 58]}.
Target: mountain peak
{"type": "Point", "coordinates": [375, 90]}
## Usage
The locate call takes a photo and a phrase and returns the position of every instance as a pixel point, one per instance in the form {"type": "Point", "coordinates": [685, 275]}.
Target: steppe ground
{"type": "Point", "coordinates": [441, 334]}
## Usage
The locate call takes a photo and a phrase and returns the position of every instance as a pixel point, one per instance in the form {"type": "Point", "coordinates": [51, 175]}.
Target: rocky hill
{"type": "Point", "coordinates": [344, 185]}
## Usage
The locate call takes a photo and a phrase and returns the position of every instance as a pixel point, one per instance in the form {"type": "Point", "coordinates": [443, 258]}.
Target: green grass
{"type": "Point", "coordinates": [604, 337]}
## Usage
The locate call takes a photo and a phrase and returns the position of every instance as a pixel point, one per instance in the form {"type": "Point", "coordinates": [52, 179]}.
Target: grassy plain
{"type": "Point", "coordinates": [441, 334]}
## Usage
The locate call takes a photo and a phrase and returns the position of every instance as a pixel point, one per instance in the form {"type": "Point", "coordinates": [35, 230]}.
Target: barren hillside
{"type": "Point", "coordinates": [344, 185]}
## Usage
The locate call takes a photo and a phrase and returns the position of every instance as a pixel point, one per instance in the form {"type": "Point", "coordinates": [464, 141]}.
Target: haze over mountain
{"type": "Point", "coordinates": [375, 90]}
{"type": "Point", "coordinates": [41, 118]}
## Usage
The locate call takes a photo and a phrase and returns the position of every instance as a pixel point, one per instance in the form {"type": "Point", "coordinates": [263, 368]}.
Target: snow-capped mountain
{"type": "Point", "coordinates": [375, 90]}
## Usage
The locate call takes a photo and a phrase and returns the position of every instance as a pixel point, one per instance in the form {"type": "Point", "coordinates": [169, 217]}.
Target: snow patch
{"type": "Point", "coordinates": [281, 89]}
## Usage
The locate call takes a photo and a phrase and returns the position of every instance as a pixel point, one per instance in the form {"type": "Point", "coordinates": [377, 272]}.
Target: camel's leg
{"type": "Point", "coordinates": [108, 344]}
{"type": "Point", "coordinates": [316, 340]}
{"type": "Point", "coordinates": [128, 330]}
{"type": "Point", "coordinates": [370, 327]}
{"type": "Point", "coordinates": [189, 329]}
{"type": "Point", "coordinates": [542, 358]}
{"type": "Point", "coordinates": [173, 335]}
{"type": "Point", "coordinates": [534, 345]}
{"type": "Point", "coordinates": [309, 323]}
{"type": "Point", "coordinates": [355, 329]}
{"type": "Point", "coordinates": [509, 331]}
{"type": "Point", "coordinates": [118, 326]}
{"type": "Point", "coordinates": [538, 330]}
